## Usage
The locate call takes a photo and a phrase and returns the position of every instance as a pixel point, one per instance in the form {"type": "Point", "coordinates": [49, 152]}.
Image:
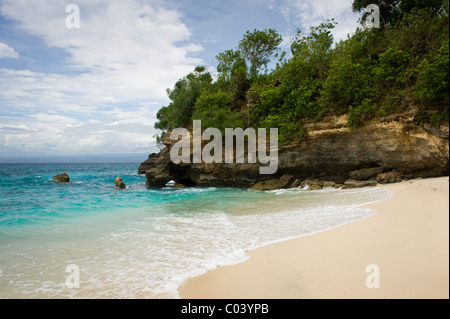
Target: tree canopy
{"type": "Point", "coordinates": [373, 73]}
{"type": "Point", "coordinates": [258, 46]}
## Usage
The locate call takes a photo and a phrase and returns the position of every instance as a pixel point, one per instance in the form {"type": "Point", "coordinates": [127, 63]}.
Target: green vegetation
{"type": "Point", "coordinates": [373, 73]}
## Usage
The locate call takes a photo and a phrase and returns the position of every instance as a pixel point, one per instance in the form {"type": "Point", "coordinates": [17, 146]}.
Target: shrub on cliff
{"type": "Point", "coordinates": [432, 88]}
{"type": "Point", "coordinates": [214, 110]}
{"type": "Point", "coordinates": [373, 73]}
{"type": "Point", "coordinates": [183, 96]}
{"type": "Point", "coordinates": [348, 84]}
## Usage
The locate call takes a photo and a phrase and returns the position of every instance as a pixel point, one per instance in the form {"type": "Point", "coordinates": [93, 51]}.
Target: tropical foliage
{"type": "Point", "coordinates": [374, 72]}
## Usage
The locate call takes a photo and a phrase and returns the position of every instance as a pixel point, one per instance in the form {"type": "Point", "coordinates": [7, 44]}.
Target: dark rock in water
{"type": "Point", "coordinates": [284, 182]}
{"type": "Point", "coordinates": [296, 183]}
{"type": "Point", "coordinates": [365, 173]}
{"type": "Point", "coordinates": [61, 178]}
{"type": "Point", "coordinates": [171, 184]}
{"type": "Point", "coordinates": [264, 185]}
{"type": "Point", "coordinates": [311, 184]}
{"type": "Point", "coordinates": [359, 184]}
{"type": "Point", "coordinates": [389, 177]}
{"type": "Point", "coordinates": [119, 183]}
{"type": "Point", "coordinates": [329, 184]}
{"type": "Point", "coordinates": [314, 185]}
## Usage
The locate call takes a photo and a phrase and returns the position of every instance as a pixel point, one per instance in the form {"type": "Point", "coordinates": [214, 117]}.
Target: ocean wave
{"type": "Point", "coordinates": [144, 242]}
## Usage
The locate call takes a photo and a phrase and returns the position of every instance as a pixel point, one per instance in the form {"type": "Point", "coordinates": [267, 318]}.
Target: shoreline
{"type": "Point", "coordinates": [407, 238]}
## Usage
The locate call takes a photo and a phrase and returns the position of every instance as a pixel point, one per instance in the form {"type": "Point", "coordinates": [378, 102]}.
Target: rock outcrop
{"type": "Point", "coordinates": [61, 178]}
{"type": "Point", "coordinates": [365, 173]}
{"type": "Point", "coordinates": [389, 177]}
{"type": "Point", "coordinates": [313, 185]}
{"type": "Point", "coordinates": [119, 183]}
{"type": "Point", "coordinates": [386, 150]}
{"type": "Point", "coordinates": [359, 184]}
{"type": "Point", "coordinates": [158, 168]}
{"type": "Point", "coordinates": [284, 182]}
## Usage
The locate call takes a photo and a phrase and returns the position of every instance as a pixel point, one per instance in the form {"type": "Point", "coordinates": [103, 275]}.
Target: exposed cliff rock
{"type": "Point", "coordinates": [330, 152]}
{"type": "Point", "coordinates": [359, 184]}
{"type": "Point", "coordinates": [284, 181]}
{"type": "Point", "coordinates": [365, 173]}
{"type": "Point", "coordinates": [316, 184]}
{"type": "Point", "coordinates": [389, 177]}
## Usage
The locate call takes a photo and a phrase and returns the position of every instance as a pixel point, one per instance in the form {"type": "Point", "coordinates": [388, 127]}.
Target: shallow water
{"type": "Point", "coordinates": [143, 242]}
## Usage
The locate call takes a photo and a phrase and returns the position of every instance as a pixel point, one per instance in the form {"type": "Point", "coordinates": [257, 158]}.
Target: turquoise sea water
{"type": "Point", "coordinates": [142, 242]}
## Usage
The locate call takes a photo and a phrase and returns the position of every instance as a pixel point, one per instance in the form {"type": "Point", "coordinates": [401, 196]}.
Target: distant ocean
{"type": "Point", "coordinates": [142, 242]}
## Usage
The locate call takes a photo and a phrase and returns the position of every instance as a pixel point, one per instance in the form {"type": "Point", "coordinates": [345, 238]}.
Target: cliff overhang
{"type": "Point", "coordinates": [329, 152]}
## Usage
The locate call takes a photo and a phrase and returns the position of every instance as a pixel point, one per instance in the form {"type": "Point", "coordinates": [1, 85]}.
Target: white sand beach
{"type": "Point", "coordinates": [407, 238]}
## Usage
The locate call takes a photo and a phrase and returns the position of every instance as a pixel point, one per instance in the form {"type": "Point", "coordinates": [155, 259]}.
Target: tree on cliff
{"type": "Point", "coordinates": [183, 96]}
{"type": "Point", "coordinates": [257, 47]}
{"type": "Point", "coordinates": [371, 74]}
{"type": "Point", "coordinates": [233, 75]}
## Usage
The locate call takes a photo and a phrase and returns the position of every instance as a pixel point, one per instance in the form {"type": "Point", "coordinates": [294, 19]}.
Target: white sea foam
{"type": "Point", "coordinates": [149, 252]}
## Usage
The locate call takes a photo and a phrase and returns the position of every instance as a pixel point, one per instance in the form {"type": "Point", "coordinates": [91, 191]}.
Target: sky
{"type": "Point", "coordinates": [96, 89]}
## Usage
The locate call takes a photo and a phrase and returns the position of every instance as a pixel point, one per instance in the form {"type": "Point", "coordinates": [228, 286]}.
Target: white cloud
{"type": "Point", "coordinates": [304, 14]}
{"type": "Point", "coordinates": [126, 48]}
{"type": "Point", "coordinates": [7, 52]}
{"type": "Point", "coordinates": [125, 54]}
{"type": "Point", "coordinates": [63, 135]}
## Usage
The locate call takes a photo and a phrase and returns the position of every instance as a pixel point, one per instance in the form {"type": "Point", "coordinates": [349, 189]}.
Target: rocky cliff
{"type": "Point", "coordinates": [385, 150]}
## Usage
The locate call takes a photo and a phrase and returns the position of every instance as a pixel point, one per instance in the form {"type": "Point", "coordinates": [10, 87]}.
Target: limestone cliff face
{"type": "Point", "coordinates": [330, 151]}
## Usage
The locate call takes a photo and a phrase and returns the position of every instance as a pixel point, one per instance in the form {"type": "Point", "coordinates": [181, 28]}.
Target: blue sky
{"type": "Point", "coordinates": [96, 89]}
